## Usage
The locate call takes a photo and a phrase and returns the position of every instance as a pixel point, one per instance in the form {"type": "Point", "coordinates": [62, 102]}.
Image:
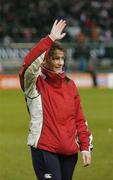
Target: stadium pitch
{"type": "Point", "coordinates": [15, 161]}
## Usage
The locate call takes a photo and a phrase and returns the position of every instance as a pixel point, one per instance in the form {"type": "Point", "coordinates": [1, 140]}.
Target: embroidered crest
{"type": "Point", "coordinates": [48, 176]}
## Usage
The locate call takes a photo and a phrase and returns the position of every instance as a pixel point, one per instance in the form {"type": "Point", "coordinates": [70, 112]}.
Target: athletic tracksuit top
{"type": "Point", "coordinates": [57, 123]}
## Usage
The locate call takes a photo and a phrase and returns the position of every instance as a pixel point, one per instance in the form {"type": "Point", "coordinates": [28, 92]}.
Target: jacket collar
{"type": "Point", "coordinates": [53, 78]}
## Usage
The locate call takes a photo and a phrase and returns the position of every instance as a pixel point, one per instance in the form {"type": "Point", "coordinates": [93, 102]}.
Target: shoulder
{"type": "Point", "coordinates": [72, 83]}
{"type": "Point", "coordinates": [69, 80]}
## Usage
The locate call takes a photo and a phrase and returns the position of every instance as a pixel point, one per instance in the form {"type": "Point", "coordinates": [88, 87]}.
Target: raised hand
{"type": "Point", "coordinates": [57, 30]}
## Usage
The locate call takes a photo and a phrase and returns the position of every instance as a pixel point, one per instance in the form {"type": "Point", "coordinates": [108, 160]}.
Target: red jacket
{"type": "Point", "coordinates": [57, 123]}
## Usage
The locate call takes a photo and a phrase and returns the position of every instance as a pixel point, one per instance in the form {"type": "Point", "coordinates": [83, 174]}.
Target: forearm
{"type": "Point", "coordinates": [34, 58]}
{"type": "Point", "coordinates": [36, 51]}
{"type": "Point", "coordinates": [83, 133]}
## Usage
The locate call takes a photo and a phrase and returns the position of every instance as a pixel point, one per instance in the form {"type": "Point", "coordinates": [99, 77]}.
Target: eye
{"type": "Point", "coordinates": [58, 58]}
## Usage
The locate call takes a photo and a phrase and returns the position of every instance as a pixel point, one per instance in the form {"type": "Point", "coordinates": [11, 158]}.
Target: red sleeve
{"type": "Point", "coordinates": [36, 51]}
{"type": "Point", "coordinates": [83, 134]}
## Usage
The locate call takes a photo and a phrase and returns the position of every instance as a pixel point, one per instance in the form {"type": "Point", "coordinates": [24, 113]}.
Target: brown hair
{"type": "Point", "coordinates": [56, 45]}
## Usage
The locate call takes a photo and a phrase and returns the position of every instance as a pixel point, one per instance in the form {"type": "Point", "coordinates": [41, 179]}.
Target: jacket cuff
{"type": "Point", "coordinates": [84, 151]}
{"type": "Point", "coordinates": [51, 37]}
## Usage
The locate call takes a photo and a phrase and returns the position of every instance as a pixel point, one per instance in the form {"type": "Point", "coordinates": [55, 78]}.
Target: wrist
{"type": "Point", "coordinates": [86, 152]}
{"type": "Point", "coordinates": [52, 37]}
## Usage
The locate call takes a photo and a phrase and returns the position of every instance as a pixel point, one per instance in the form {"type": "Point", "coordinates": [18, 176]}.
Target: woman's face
{"type": "Point", "coordinates": [56, 62]}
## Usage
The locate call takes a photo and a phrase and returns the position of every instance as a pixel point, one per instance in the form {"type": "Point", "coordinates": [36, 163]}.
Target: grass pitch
{"type": "Point", "coordinates": [15, 160]}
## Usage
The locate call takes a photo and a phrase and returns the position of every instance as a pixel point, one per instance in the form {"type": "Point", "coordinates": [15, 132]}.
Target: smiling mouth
{"type": "Point", "coordinates": [59, 67]}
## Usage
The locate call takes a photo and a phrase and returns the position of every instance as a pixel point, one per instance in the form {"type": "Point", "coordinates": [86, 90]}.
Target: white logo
{"type": "Point", "coordinates": [48, 176]}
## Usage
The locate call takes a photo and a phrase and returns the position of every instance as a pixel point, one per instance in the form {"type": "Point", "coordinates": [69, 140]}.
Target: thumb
{"type": "Point", "coordinates": [62, 35]}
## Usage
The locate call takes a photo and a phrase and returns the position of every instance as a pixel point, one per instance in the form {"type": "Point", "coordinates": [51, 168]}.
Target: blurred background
{"type": "Point", "coordinates": [89, 39]}
{"type": "Point", "coordinates": [89, 62]}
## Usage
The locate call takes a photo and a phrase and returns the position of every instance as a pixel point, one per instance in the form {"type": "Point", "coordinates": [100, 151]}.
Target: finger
{"type": "Point", "coordinates": [84, 160]}
{"type": "Point", "coordinates": [85, 165]}
{"type": "Point", "coordinates": [87, 161]}
{"type": "Point", "coordinates": [62, 23]}
{"type": "Point", "coordinates": [55, 22]}
{"type": "Point", "coordinates": [62, 26]}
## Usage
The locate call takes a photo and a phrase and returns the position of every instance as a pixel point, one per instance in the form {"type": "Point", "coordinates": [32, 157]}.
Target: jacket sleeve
{"type": "Point", "coordinates": [84, 136]}
{"type": "Point", "coordinates": [30, 69]}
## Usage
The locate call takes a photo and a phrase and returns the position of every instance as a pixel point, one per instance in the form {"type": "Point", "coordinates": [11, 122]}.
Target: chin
{"type": "Point", "coordinates": [57, 70]}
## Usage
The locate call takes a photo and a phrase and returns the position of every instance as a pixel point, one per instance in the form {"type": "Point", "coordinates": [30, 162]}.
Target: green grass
{"type": "Point", "coordinates": [15, 160]}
